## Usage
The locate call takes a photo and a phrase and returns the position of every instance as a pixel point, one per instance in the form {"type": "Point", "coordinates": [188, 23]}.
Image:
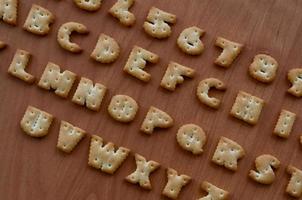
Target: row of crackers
{"type": "Point", "coordinates": [108, 158]}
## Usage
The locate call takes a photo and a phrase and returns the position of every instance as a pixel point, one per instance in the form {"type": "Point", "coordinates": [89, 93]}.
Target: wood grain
{"type": "Point", "coordinates": [35, 169]}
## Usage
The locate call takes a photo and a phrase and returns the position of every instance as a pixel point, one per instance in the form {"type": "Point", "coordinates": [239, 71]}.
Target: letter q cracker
{"type": "Point", "coordinates": [53, 78]}
{"type": "Point", "coordinates": [228, 153]}
{"type": "Point", "coordinates": [175, 74]}
{"type": "Point", "coordinates": [230, 50]}
{"type": "Point", "coordinates": [285, 123]}
{"type": "Point", "coordinates": [191, 138]}
{"type": "Point", "coordinates": [264, 165]}
{"type": "Point", "coordinates": [157, 23]}
{"type": "Point", "coordinates": [120, 10]}
{"type": "Point", "coordinates": [294, 187]}
{"type": "Point", "coordinates": [143, 170]}
{"type": "Point", "coordinates": [19, 63]}
{"type": "Point", "coordinates": [175, 183]}
{"type": "Point", "coordinates": [295, 78]}
{"type": "Point", "coordinates": [38, 20]}
{"type": "Point", "coordinates": [36, 122]}
{"type": "Point", "coordinates": [189, 40]}
{"type": "Point", "coordinates": [214, 192]}
{"type": "Point", "coordinates": [137, 62]}
{"type": "Point", "coordinates": [9, 11]}
{"type": "Point", "coordinates": [105, 156]}
{"type": "Point", "coordinates": [69, 137]}
{"type": "Point", "coordinates": [247, 108]}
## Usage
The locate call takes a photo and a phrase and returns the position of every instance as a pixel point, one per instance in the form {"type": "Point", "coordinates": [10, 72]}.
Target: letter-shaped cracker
{"type": "Point", "coordinates": [189, 40]}
{"type": "Point", "coordinates": [247, 108]}
{"type": "Point", "coordinates": [36, 122]}
{"type": "Point", "coordinates": [229, 53]}
{"type": "Point", "coordinates": [69, 137]}
{"type": "Point", "coordinates": [2, 45]}
{"type": "Point", "coordinates": [228, 153]}
{"type": "Point", "coordinates": [294, 187]}
{"type": "Point", "coordinates": [175, 183]}
{"type": "Point", "coordinates": [143, 170]}
{"type": "Point", "coordinates": [64, 36]}
{"type": "Point", "coordinates": [106, 157]}
{"type": "Point", "coordinates": [120, 10]}
{"type": "Point", "coordinates": [175, 75]}
{"type": "Point", "coordinates": [9, 11]}
{"type": "Point", "coordinates": [156, 118]}
{"type": "Point", "coordinates": [106, 50]}
{"type": "Point", "coordinates": [157, 23]}
{"type": "Point", "coordinates": [295, 78]}
{"type": "Point", "coordinates": [38, 20]}
{"type": "Point", "coordinates": [137, 62]}
{"type": "Point", "coordinates": [203, 89]}
{"type": "Point", "coordinates": [263, 68]}
{"type": "Point", "coordinates": [19, 63]}
{"type": "Point", "coordinates": [89, 95]}
{"type": "Point", "coordinates": [122, 108]}
{"type": "Point", "coordinates": [214, 193]}
{"type": "Point", "coordinates": [191, 138]}
{"type": "Point", "coordinates": [89, 5]}
{"type": "Point", "coordinates": [264, 165]}
{"type": "Point", "coordinates": [52, 78]}
{"type": "Point", "coordinates": [285, 123]}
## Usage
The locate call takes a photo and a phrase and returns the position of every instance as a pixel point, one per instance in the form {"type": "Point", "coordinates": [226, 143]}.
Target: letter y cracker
{"type": "Point", "coordinates": [120, 10]}
{"type": "Point", "coordinates": [36, 122]}
{"type": "Point", "coordinates": [9, 11]}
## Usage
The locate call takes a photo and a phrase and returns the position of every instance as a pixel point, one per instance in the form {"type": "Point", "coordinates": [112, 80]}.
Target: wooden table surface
{"type": "Point", "coordinates": [34, 169]}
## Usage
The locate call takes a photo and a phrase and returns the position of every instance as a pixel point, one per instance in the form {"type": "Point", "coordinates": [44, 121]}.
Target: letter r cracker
{"type": "Point", "coordinates": [247, 107]}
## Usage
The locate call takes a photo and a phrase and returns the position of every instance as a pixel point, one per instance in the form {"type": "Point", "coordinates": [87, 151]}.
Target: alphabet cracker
{"type": "Point", "coordinates": [214, 193]}
{"type": "Point", "coordinates": [9, 11]}
{"type": "Point", "coordinates": [189, 40]}
{"type": "Point", "coordinates": [294, 187]}
{"type": "Point", "coordinates": [285, 123]}
{"type": "Point", "coordinates": [295, 78]}
{"type": "Point", "coordinates": [120, 10]}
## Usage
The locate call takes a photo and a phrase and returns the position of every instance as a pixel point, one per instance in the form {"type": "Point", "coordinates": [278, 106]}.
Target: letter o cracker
{"type": "Point", "coordinates": [263, 68]}
{"type": "Point", "coordinates": [191, 138]}
{"type": "Point", "coordinates": [120, 10]}
{"type": "Point", "coordinates": [64, 34]}
{"type": "Point", "coordinates": [106, 50]}
{"type": "Point", "coordinates": [122, 108]}
{"type": "Point", "coordinates": [264, 165]}
{"type": "Point", "coordinates": [295, 78]}
{"type": "Point", "coordinates": [189, 40]}
{"type": "Point", "coordinates": [9, 11]}
{"type": "Point", "coordinates": [203, 89]}
{"type": "Point", "coordinates": [157, 23]}
{"type": "Point", "coordinates": [88, 5]}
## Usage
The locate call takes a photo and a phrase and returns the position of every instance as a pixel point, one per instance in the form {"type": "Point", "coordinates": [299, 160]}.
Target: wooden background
{"type": "Point", "coordinates": [34, 169]}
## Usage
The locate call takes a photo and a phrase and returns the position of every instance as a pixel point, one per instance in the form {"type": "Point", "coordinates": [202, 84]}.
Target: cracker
{"type": "Point", "coordinates": [106, 50]}
{"type": "Point", "coordinates": [143, 170]}
{"type": "Point", "coordinates": [158, 23]}
{"type": "Point", "coordinates": [191, 138]}
{"type": "Point", "coordinates": [175, 74]}
{"type": "Point", "coordinates": [230, 50]}
{"type": "Point", "coordinates": [175, 183]}
{"type": "Point", "coordinates": [38, 20]}
{"type": "Point", "coordinates": [89, 94]}
{"type": "Point", "coordinates": [263, 68]}
{"type": "Point", "coordinates": [19, 63]}
{"type": "Point", "coordinates": [214, 192]}
{"type": "Point", "coordinates": [137, 62]}
{"type": "Point", "coordinates": [120, 10]}
{"type": "Point", "coordinates": [123, 108]}
{"type": "Point", "coordinates": [228, 153]}
{"type": "Point", "coordinates": [53, 78]}
{"type": "Point", "coordinates": [265, 165]}
{"type": "Point", "coordinates": [295, 78]}
{"type": "Point", "coordinates": [247, 108]}
{"type": "Point", "coordinates": [156, 118]}
{"type": "Point", "coordinates": [203, 89]}
{"type": "Point", "coordinates": [285, 123]}
{"type": "Point", "coordinates": [88, 5]}
{"type": "Point", "coordinates": [69, 137]}
{"type": "Point", "coordinates": [2, 45]}
{"type": "Point", "coordinates": [9, 11]}
{"type": "Point", "coordinates": [189, 41]}
{"type": "Point", "coordinates": [36, 122]}
{"type": "Point", "coordinates": [64, 36]}
{"type": "Point", "coordinates": [105, 156]}
{"type": "Point", "coordinates": [294, 187]}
